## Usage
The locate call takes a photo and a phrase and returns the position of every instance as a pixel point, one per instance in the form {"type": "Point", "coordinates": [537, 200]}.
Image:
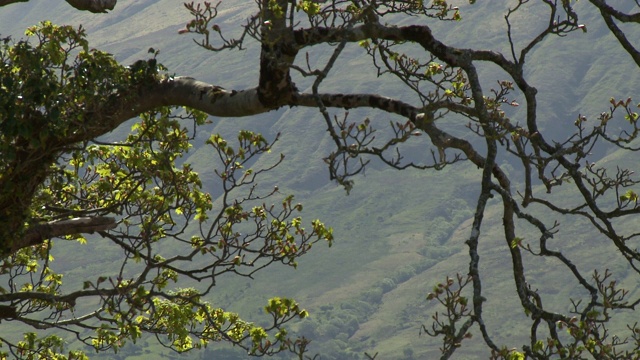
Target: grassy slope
{"type": "Point", "coordinates": [391, 218]}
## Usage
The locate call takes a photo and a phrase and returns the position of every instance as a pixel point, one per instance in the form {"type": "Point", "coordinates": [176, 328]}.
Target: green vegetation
{"type": "Point", "coordinates": [403, 238]}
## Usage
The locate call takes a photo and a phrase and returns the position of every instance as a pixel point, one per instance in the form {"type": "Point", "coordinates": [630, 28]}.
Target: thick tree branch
{"type": "Point", "coordinates": [608, 13]}
{"type": "Point", "coordinates": [38, 233]}
{"type": "Point", "coordinates": [606, 8]}
{"type": "Point", "coordinates": [94, 6]}
{"type": "Point", "coordinates": [8, 2]}
{"type": "Point", "coordinates": [419, 34]}
{"type": "Point", "coordinates": [172, 91]}
{"type": "Point", "coordinates": [350, 101]}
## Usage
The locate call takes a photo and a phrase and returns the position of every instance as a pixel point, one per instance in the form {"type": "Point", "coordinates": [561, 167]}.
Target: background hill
{"type": "Point", "coordinates": [397, 233]}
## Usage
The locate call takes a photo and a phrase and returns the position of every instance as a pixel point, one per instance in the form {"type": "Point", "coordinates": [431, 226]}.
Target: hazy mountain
{"type": "Point", "coordinates": [397, 233]}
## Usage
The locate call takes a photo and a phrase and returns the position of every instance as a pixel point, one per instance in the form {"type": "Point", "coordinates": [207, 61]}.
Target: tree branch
{"type": "Point", "coordinates": [170, 91]}
{"type": "Point", "coordinates": [605, 8]}
{"type": "Point", "coordinates": [7, 2]}
{"type": "Point", "coordinates": [350, 101]}
{"type": "Point", "coordinates": [94, 6]}
{"type": "Point", "coordinates": [38, 233]}
{"type": "Point", "coordinates": [608, 13]}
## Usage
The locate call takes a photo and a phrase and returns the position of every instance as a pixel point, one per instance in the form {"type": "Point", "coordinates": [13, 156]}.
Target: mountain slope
{"type": "Point", "coordinates": [398, 233]}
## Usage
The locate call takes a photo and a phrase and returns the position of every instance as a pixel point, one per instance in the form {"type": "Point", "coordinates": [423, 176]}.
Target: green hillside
{"type": "Point", "coordinates": [398, 233]}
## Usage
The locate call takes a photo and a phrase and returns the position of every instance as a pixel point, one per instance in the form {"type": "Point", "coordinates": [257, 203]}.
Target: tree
{"type": "Point", "coordinates": [137, 194]}
{"type": "Point", "coordinates": [444, 81]}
